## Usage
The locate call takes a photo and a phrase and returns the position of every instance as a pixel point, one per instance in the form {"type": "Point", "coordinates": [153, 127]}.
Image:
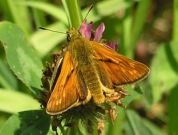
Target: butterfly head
{"type": "Point", "coordinates": [73, 34]}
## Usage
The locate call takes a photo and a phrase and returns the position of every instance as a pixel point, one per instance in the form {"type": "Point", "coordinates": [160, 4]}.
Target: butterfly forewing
{"type": "Point", "coordinates": [65, 92]}
{"type": "Point", "coordinates": [119, 69]}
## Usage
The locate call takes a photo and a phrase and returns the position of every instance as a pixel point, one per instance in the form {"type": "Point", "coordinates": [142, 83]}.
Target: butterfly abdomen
{"type": "Point", "coordinates": [93, 83]}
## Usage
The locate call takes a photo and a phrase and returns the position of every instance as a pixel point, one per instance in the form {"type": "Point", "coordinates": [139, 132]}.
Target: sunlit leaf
{"type": "Point", "coordinates": [103, 8]}
{"type": "Point", "coordinates": [53, 10]}
{"type": "Point", "coordinates": [44, 41]}
{"type": "Point", "coordinates": [164, 73]}
{"type": "Point", "coordinates": [13, 101]}
{"type": "Point", "coordinates": [23, 60]}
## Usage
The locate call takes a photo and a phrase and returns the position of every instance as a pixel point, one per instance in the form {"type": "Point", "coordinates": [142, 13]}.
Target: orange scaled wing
{"type": "Point", "coordinates": [119, 69]}
{"type": "Point", "coordinates": [65, 93]}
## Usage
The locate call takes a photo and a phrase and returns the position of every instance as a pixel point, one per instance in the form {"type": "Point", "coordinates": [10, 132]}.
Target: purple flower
{"type": "Point", "coordinates": [86, 30]}
{"type": "Point", "coordinates": [99, 32]}
{"type": "Point", "coordinates": [112, 45]}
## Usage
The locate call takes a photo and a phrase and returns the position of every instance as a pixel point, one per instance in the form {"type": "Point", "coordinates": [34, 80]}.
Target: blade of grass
{"type": "Point", "coordinates": [126, 39]}
{"type": "Point", "coordinates": [39, 18]}
{"type": "Point", "coordinates": [173, 111]}
{"type": "Point", "coordinates": [4, 9]}
{"type": "Point", "coordinates": [56, 12]}
{"type": "Point", "coordinates": [175, 23]}
{"type": "Point", "coordinates": [140, 18]}
{"type": "Point", "coordinates": [20, 15]}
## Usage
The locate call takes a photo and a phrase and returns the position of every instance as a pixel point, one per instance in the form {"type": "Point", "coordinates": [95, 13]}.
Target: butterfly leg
{"type": "Point", "coordinates": [107, 90]}
{"type": "Point", "coordinates": [87, 99]}
{"type": "Point", "coordinates": [116, 97]}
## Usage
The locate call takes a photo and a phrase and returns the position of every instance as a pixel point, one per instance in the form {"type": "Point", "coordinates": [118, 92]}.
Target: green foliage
{"type": "Point", "coordinates": [33, 122]}
{"type": "Point", "coordinates": [24, 47]}
{"type": "Point", "coordinates": [173, 111]}
{"type": "Point", "coordinates": [54, 11]}
{"type": "Point", "coordinates": [138, 126]}
{"type": "Point", "coordinates": [12, 101]}
{"type": "Point", "coordinates": [45, 41]}
{"type": "Point", "coordinates": [6, 78]}
{"type": "Point", "coordinates": [138, 24]}
{"type": "Point", "coordinates": [175, 23]}
{"type": "Point", "coordinates": [22, 59]}
{"type": "Point", "coordinates": [16, 12]}
{"type": "Point", "coordinates": [164, 73]}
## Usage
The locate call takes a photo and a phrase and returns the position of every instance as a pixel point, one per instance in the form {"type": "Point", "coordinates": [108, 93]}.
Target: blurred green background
{"type": "Point", "coordinates": [145, 30]}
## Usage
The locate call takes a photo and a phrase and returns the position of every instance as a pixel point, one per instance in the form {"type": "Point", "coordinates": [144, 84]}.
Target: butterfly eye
{"type": "Point", "coordinates": [68, 37]}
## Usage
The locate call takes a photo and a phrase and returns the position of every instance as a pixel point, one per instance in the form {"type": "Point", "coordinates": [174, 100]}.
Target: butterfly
{"type": "Point", "coordinates": [90, 70]}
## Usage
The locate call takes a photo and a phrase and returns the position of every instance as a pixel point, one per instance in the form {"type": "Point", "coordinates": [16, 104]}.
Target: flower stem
{"type": "Point", "coordinates": [73, 12]}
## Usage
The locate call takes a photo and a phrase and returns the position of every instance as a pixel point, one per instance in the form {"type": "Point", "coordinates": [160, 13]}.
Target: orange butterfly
{"type": "Point", "coordinates": [90, 70]}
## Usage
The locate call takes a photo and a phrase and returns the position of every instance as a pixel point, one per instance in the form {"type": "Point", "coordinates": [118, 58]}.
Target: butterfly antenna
{"type": "Point", "coordinates": [42, 28]}
{"type": "Point", "coordinates": [91, 7]}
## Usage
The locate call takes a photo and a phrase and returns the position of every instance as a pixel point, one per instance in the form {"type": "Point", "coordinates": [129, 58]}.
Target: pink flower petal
{"type": "Point", "coordinates": [113, 45]}
{"type": "Point", "coordinates": [86, 29]}
{"type": "Point", "coordinates": [99, 32]}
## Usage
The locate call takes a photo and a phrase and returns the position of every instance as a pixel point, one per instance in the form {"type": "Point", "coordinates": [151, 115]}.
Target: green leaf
{"type": "Point", "coordinates": [147, 93]}
{"type": "Point", "coordinates": [6, 77]}
{"type": "Point", "coordinates": [139, 21]}
{"type": "Point", "coordinates": [26, 123]}
{"type": "Point", "coordinates": [132, 95]}
{"type": "Point", "coordinates": [105, 8]}
{"type": "Point", "coordinates": [126, 39]}
{"type": "Point", "coordinates": [138, 126]}
{"type": "Point", "coordinates": [44, 41]}
{"type": "Point", "coordinates": [50, 9]}
{"type": "Point", "coordinates": [115, 127]}
{"type": "Point", "coordinates": [39, 18]}
{"type": "Point", "coordinates": [175, 21]}
{"type": "Point", "coordinates": [173, 111]}
{"type": "Point", "coordinates": [3, 118]}
{"type": "Point", "coordinates": [164, 73]}
{"type": "Point", "coordinates": [19, 13]}
{"type": "Point", "coordinates": [21, 57]}
{"type": "Point", "coordinates": [153, 129]}
{"type": "Point", "coordinates": [13, 101]}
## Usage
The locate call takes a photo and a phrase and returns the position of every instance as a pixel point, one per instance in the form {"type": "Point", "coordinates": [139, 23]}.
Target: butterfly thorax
{"type": "Point", "coordinates": [85, 65]}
